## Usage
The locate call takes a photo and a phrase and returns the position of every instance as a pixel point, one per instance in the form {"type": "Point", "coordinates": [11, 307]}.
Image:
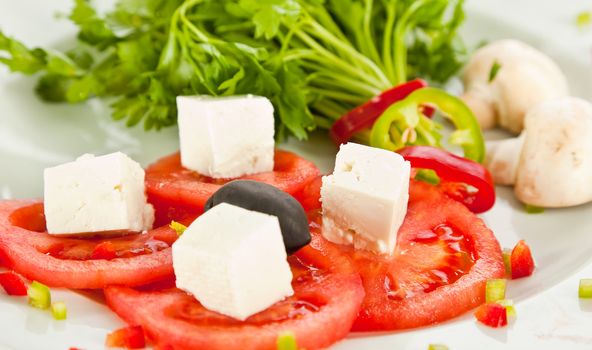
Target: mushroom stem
{"type": "Point", "coordinates": [502, 159]}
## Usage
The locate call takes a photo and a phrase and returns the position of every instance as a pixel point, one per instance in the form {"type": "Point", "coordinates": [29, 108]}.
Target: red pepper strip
{"type": "Point", "coordinates": [492, 315]}
{"type": "Point", "coordinates": [13, 283]}
{"type": "Point", "coordinates": [455, 169]}
{"type": "Point", "coordinates": [364, 116]}
{"type": "Point", "coordinates": [521, 261]}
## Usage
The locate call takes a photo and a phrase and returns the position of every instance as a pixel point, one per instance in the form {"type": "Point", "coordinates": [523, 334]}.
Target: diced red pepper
{"type": "Point", "coordinates": [13, 283]}
{"type": "Point", "coordinates": [131, 337]}
{"type": "Point", "coordinates": [492, 315]}
{"type": "Point", "coordinates": [455, 174]}
{"type": "Point", "coordinates": [105, 250]}
{"type": "Point", "coordinates": [364, 116]}
{"type": "Point", "coordinates": [521, 261]}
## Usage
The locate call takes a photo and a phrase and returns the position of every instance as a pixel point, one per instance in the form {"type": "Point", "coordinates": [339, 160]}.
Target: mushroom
{"type": "Point", "coordinates": [550, 163]}
{"type": "Point", "coordinates": [525, 77]}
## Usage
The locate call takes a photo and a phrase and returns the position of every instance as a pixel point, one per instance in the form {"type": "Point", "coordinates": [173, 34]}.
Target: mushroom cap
{"type": "Point", "coordinates": [555, 167]}
{"type": "Point", "coordinates": [526, 77]}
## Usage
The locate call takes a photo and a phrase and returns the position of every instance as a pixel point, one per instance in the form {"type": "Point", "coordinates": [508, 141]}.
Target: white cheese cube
{"type": "Point", "coordinates": [365, 199]}
{"type": "Point", "coordinates": [96, 194]}
{"type": "Point", "coordinates": [226, 137]}
{"type": "Point", "coordinates": [233, 261]}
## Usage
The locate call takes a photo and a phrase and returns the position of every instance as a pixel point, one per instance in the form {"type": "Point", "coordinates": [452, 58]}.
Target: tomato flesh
{"type": "Point", "coordinates": [326, 300]}
{"type": "Point", "coordinates": [521, 261]}
{"type": "Point", "coordinates": [310, 196]}
{"type": "Point", "coordinates": [443, 258]}
{"type": "Point", "coordinates": [177, 192]}
{"type": "Point", "coordinates": [131, 337]}
{"type": "Point", "coordinates": [78, 263]}
{"type": "Point", "coordinates": [105, 250]}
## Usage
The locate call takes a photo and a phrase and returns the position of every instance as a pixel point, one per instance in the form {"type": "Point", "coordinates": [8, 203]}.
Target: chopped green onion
{"type": "Point", "coordinates": [39, 295]}
{"type": "Point", "coordinates": [584, 19]}
{"type": "Point", "coordinates": [178, 227]}
{"type": "Point", "coordinates": [437, 347]}
{"type": "Point", "coordinates": [495, 290]}
{"type": "Point", "coordinates": [585, 290]}
{"type": "Point", "coordinates": [533, 209]}
{"type": "Point", "coordinates": [59, 311]}
{"type": "Point", "coordinates": [495, 67]}
{"type": "Point", "coordinates": [509, 305]}
{"type": "Point", "coordinates": [286, 341]}
{"type": "Point", "coordinates": [507, 254]}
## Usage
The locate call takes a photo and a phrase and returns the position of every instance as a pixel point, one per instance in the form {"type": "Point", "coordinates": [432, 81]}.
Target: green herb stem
{"type": "Point", "coordinates": [370, 67]}
{"type": "Point", "coordinates": [387, 57]}
{"type": "Point", "coordinates": [372, 50]}
{"type": "Point", "coordinates": [355, 99]}
{"type": "Point", "coordinates": [400, 48]}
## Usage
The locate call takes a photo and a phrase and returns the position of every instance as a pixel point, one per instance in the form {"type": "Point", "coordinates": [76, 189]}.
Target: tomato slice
{"type": "Point", "coordinates": [443, 258]}
{"type": "Point", "coordinates": [177, 192]}
{"type": "Point", "coordinates": [131, 337]}
{"type": "Point", "coordinates": [27, 248]}
{"type": "Point", "coordinates": [326, 300]}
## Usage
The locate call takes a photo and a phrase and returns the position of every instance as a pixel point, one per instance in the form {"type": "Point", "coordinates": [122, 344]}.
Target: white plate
{"type": "Point", "coordinates": [34, 135]}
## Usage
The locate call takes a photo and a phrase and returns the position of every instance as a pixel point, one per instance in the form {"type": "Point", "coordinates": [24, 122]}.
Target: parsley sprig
{"type": "Point", "coordinates": [315, 59]}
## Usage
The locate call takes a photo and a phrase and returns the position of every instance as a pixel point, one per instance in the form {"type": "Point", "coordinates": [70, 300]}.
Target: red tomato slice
{"type": "Point", "coordinates": [325, 303]}
{"type": "Point", "coordinates": [68, 262]}
{"type": "Point", "coordinates": [177, 192]}
{"type": "Point", "coordinates": [443, 258]}
{"type": "Point", "coordinates": [131, 337]}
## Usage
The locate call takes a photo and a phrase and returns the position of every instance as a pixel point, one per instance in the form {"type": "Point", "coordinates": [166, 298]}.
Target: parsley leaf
{"type": "Point", "coordinates": [584, 19]}
{"type": "Point", "coordinates": [178, 227]}
{"type": "Point", "coordinates": [495, 67]}
{"type": "Point", "coordinates": [20, 58]}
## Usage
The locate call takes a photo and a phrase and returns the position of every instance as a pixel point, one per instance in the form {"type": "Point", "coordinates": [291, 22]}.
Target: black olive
{"type": "Point", "coordinates": [264, 198]}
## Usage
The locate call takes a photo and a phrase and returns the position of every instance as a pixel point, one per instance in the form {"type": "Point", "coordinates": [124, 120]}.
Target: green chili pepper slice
{"type": "Point", "coordinates": [404, 124]}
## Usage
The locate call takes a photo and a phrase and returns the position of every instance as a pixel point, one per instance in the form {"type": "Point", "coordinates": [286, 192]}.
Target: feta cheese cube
{"type": "Point", "coordinates": [365, 199]}
{"type": "Point", "coordinates": [233, 261]}
{"type": "Point", "coordinates": [96, 194]}
{"type": "Point", "coordinates": [226, 137]}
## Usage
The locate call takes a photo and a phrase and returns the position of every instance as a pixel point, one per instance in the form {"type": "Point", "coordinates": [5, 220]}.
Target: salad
{"type": "Point", "coordinates": [232, 242]}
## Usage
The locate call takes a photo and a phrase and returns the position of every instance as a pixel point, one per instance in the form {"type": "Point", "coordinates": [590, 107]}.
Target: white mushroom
{"type": "Point", "coordinates": [525, 78]}
{"type": "Point", "coordinates": [502, 159]}
{"type": "Point", "coordinates": [550, 164]}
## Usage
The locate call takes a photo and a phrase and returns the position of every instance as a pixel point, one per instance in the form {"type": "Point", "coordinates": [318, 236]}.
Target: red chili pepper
{"type": "Point", "coordinates": [13, 283]}
{"type": "Point", "coordinates": [131, 337]}
{"type": "Point", "coordinates": [364, 116]}
{"type": "Point", "coordinates": [521, 261]}
{"type": "Point", "coordinates": [455, 174]}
